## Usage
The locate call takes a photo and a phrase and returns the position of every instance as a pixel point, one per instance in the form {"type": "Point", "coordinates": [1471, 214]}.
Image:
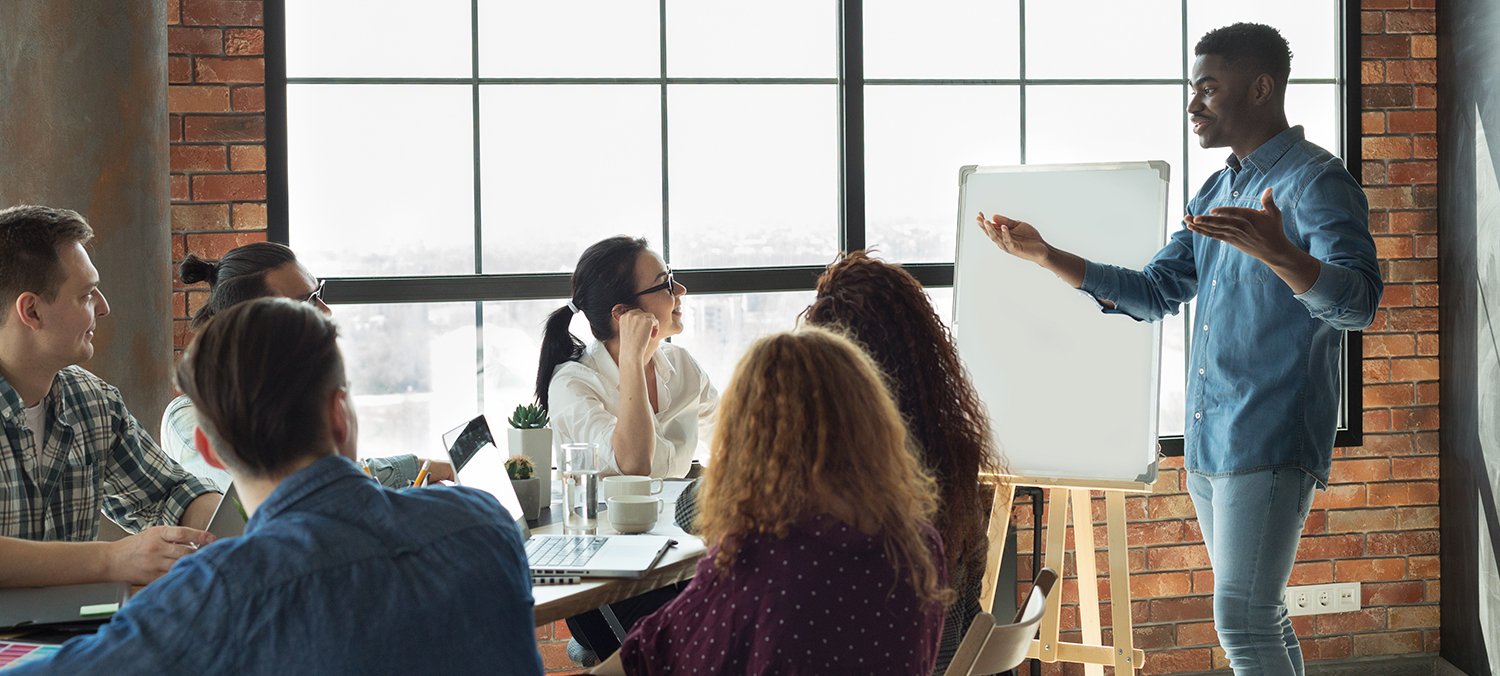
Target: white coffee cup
{"type": "Point", "coordinates": [633, 513]}
{"type": "Point", "coordinates": [628, 484]}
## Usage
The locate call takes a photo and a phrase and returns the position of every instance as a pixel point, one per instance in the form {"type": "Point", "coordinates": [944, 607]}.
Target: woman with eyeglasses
{"type": "Point", "coordinates": [645, 402]}
{"type": "Point", "coordinates": [259, 270]}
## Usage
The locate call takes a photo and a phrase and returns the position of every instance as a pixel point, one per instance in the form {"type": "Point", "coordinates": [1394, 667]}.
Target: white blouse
{"type": "Point", "coordinates": [584, 405]}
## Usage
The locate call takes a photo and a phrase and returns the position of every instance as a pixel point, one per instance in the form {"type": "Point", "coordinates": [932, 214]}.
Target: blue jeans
{"type": "Point", "coordinates": [1251, 523]}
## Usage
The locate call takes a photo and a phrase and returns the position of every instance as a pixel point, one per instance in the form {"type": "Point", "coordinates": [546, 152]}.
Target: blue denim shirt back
{"type": "Point", "coordinates": [1262, 387]}
{"type": "Point", "coordinates": [334, 575]}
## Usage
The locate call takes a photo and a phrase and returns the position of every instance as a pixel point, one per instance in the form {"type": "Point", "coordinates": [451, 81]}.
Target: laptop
{"type": "Point", "coordinates": [478, 463]}
{"type": "Point", "coordinates": [61, 604]}
{"type": "Point", "coordinates": [229, 519]}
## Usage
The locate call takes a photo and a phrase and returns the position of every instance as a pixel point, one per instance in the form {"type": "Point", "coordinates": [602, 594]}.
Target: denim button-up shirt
{"type": "Point", "coordinates": [1262, 387]}
{"type": "Point", "coordinates": [334, 575]}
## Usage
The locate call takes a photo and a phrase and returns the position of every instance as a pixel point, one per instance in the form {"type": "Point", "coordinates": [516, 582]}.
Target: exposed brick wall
{"type": "Point", "coordinates": [1378, 522]}
{"type": "Point", "coordinates": [217, 100]}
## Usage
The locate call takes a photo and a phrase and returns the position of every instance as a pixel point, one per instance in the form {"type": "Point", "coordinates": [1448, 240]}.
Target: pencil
{"type": "Point", "coordinates": [422, 473]}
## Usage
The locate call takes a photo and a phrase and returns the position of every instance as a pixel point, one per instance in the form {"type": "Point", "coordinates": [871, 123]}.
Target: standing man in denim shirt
{"type": "Point", "coordinates": [335, 574]}
{"type": "Point", "coordinates": [1277, 250]}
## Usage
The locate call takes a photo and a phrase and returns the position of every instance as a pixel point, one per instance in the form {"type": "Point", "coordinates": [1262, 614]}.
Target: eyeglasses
{"type": "Point", "coordinates": [671, 283]}
{"type": "Point", "coordinates": [317, 295]}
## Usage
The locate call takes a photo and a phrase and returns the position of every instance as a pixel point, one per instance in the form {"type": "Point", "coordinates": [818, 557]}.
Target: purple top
{"type": "Point", "coordinates": [824, 599]}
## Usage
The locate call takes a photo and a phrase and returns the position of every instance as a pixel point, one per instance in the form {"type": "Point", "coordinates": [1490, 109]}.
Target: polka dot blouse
{"type": "Point", "coordinates": [823, 600]}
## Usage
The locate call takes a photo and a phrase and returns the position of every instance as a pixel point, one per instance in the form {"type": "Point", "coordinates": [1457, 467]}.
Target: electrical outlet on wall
{"type": "Point", "coordinates": [1321, 599]}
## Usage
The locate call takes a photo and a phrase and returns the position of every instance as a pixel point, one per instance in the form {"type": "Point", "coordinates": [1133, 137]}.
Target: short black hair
{"type": "Point", "coordinates": [260, 374]}
{"type": "Point", "coordinates": [1250, 45]}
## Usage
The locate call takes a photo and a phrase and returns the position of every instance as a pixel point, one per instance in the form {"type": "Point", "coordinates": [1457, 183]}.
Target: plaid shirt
{"type": "Point", "coordinates": [95, 458]}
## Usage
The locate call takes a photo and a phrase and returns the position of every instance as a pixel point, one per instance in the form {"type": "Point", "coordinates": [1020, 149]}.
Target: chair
{"type": "Point", "coordinates": [989, 648]}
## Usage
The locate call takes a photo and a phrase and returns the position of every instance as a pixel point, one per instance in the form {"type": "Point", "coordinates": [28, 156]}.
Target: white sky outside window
{"type": "Point", "coordinates": [767, 38]}
{"type": "Point", "coordinates": [381, 178]}
{"type": "Point", "coordinates": [753, 172]}
{"type": "Point", "coordinates": [512, 347]}
{"type": "Point", "coordinates": [951, 39]}
{"type": "Point", "coordinates": [718, 328]}
{"type": "Point", "coordinates": [1104, 39]}
{"type": "Point", "coordinates": [578, 38]}
{"type": "Point", "coordinates": [1309, 26]}
{"type": "Point", "coordinates": [559, 174]}
{"type": "Point", "coordinates": [378, 38]}
{"type": "Point", "coordinates": [916, 139]}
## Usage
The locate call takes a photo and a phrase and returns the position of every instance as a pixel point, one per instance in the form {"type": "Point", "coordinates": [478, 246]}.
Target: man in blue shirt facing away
{"type": "Point", "coordinates": [334, 574]}
{"type": "Point", "coordinates": [1277, 250]}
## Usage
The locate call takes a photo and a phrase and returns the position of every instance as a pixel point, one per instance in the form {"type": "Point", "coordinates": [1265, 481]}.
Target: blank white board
{"type": "Point", "coordinates": [1072, 393]}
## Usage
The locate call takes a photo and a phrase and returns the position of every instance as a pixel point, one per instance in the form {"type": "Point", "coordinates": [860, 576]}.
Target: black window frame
{"type": "Point", "coordinates": [851, 227]}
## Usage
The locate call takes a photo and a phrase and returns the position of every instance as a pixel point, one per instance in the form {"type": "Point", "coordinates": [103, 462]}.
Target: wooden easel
{"type": "Point", "coordinates": [1063, 493]}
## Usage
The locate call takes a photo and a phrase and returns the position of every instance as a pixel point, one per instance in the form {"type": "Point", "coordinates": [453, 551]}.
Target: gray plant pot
{"type": "Point", "coordinates": [527, 491]}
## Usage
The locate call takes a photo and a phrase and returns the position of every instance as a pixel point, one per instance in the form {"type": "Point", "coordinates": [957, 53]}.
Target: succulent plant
{"type": "Point", "coordinates": [519, 467]}
{"type": "Point", "coordinates": [528, 417]}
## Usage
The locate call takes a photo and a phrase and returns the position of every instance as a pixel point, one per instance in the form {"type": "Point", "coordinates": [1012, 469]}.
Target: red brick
{"type": "Point", "coordinates": [248, 216]}
{"type": "Point", "coordinates": [1412, 71]}
{"type": "Point", "coordinates": [1334, 648]}
{"type": "Point", "coordinates": [1361, 520]}
{"type": "Point", "coordinates": [1330, 547]}
{"type": "Point", "coordinates": [1386, 147]}
{"type": "Point", "coordinates": [1404, 493]}
{"type": "Point", "coordinates": [1427, 344]}
{"type": "Point", "coordinates": [1171, 507]}
{"type": "Point", "coordinates": [1414, 221]}
{"type": "Point", "coordinates": [1372, 123]}
{"type": "Point", "coordinates": [1396, 197]}
{"type": "Point", "coordinates": [1371, 22]}
{"type": "Point", "coordinates": [1406, 543]}
{"type": "Point", "coordinates": [231, 12]}
{"type": "Point", "coordinates": [247, 158]}
{"type": "Point", "coordinates": [245, 42]}
{"type": "Point", "coordinates": [1177, 558]}
{"type": "Point", "coordinates": [1421, 270]}
{"type": "Point", "coordinates": [1410, 22]}
{"type": "Point", "coordinates": [1413, 173]}
{"type": "Point", "coordinates": [1424, 46]}
{"type": "Point", "coordinates": [1178, 661]}
{"type": "Point", "coordinates": [186, 158]}
{"type": "Point", "coordinates": [1425, 246]}
{"type": "Point", "coordinates": [1414, 369]}
{"type": "Point", "coordinates": [1417, 518]}
{"type": "Point", "coordinates": [1341, 496]}
{"type": "Point", "coordinates": [1203, 582]}
{"type": "Point", "coordinates": [1393, 246]}
{"type": "Point", "coordinates": [200, 216]}
{"type": "Point", "coordinates": [1416, 419]}
{"type": "Point", "coordinates": [248, 99]}
{"type": "Point", "coordinates": [224, 128]}
{"type": "Point", "coordinates": [1412, 121]}
{"type": "Point", "coordinates": [1398, 345]}
{"type": "Point", "coordinates": [229, 187]}
{"type": "Point", "coordinates": [230, 69]}
{"type": "Point", "coordinates": [1422, 567]}
{"type": "Point", "coordinates": [1414, 468]}
{"type": "Point", "coordinates": [215, 245]}
{"type": "Point", "coordinates": [1385, 46]}
{"type": "Point", "coordinates": [174, 128]}
{"type": "Point", "coordinates": [179, 69]}
{"type": "Point", "coordinates": [1316, 523]}
{"type": "Point", "coordinates": [1377, 370]}
{"type": "Point", "coordinates": [1378, 420]}
{"type": "Point", "coordinates": [1424, 147]}
{"type": "Point", "coordinates": [1360, 471]}
{"type": "Point", "coordinates": [188, 99]}
{"type": "Point", "coordinates": [1413, 319]}
{"type": "Point", "coordinates": [1375, 98]}
{"type": "Point", "coordinates": [1196, 634]}
{"type": "Point", "coordinates": [1363, 620]}
{"type": "Point", "coordinates": [1369, 570]}
{"type": "Point", "coordinates": [1424, 96]}
{"type": "Point", "coordinates": [1391, 593]}
{"type": "Point", "coordinates": [174, 12]}
{"type": "Point", "coordinates": [1311, 572]}
{"type": "Point", "coordinates": [1389, 395]}
{"type": "Point", "coordinates": [188, 40]}
{"type": "Point", "coordinates": [179, 188]}
{"type": "Point", "coordinates": [1433, 592]}
{"type": "Point", "coordinates": [1181, 608]}
{"type": "Point", "coordinates": [1385, 4]}
{"type": "Point", "coordinates": [1372, 72]}
{"type": "Point", "coordinates": [1414, 617]}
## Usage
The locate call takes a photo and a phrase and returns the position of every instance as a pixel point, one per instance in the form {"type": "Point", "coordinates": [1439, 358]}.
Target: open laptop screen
{"type": "Point", "coordinates": [478, 463]}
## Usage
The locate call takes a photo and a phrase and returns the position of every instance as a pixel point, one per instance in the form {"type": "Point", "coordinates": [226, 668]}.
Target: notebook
{"type": "Point", "coordinates": [60, 604]}
{"type": "Point", "coordinates": [478, 463]}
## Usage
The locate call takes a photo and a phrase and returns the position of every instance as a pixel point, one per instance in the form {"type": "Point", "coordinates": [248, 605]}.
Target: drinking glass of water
{"type": "Point", "coordinates": [580, 479]}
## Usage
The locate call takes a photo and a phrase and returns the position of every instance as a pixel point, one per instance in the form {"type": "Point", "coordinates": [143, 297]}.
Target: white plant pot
{"type": "Point", "coordinates": [535, 444]}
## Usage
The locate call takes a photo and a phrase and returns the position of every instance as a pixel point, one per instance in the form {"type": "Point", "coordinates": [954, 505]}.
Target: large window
{"type": "Point", "coordinates": [445, 162]}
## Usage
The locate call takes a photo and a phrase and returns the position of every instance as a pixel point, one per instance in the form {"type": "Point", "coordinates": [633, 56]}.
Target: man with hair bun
{"type": "Point", "coordinates": [1277, 251]}
{"type": "Point", "coordinates": [70, 452]}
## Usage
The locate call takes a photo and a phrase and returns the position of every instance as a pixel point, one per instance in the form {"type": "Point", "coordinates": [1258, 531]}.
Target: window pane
{"type": "Point", "coordinates": [378, 38]}
{"type": "Point", "coordinates": [753, 175]}
{"type": "Point", "coordinates": [1173, 397]}
{"type": "Point", "coordinates": [564, 166]}
{"type": "Point", "coordinates": [1152, 114]}
{"type": "Point", "coordinates": [381, 178]}
{"type": "Point", "coordinates": [512, 346]}
{"type": "Point", "coordinates": [411, 370]}
{"type": "Point", "coordinates": [951, 39]}
{"type": "Point", "coordinates": [1104, 39]}
{"type": "Point", "coordinates": [1311, 28]}
{"type": "Point", "coordinates": [717, 329]}
{"type": "Point", "coordinates": [593, 38]}
{"type": "Point", "coordinates": [916, 139]}
{"type": "Point", "coordinates": [769, 38]}
{"type": "Point", "coordinates": [1314, 106]}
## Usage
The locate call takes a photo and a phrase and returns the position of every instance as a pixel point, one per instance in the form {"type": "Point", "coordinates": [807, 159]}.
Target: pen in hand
{"type": "Point", "coordinates": [421, 479]}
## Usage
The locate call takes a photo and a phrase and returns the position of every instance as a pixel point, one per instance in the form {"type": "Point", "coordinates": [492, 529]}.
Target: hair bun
{"type": "Point", "coordinates": [194, 269]}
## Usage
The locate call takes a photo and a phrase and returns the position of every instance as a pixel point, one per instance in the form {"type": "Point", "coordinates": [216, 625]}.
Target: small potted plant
{"type": "Point", "coordinates": [523, 478]}
{"type": "Point", "coordinates": [529, 436]}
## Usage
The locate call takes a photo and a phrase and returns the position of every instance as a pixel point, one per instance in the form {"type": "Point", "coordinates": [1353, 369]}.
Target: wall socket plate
{"type": "Point", "coordinates": [1321, 599]}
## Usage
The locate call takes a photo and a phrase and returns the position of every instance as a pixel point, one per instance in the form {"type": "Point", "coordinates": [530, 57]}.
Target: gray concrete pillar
{"type": "Point", "coordinates": [83, 125]}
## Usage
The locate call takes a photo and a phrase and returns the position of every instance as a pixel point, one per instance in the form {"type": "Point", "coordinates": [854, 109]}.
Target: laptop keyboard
{"type": "Point", "coordinates": [553, 552]}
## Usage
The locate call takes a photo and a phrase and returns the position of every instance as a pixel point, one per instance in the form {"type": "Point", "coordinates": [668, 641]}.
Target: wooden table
{"type": "Point", "coordinates": [556, 602]}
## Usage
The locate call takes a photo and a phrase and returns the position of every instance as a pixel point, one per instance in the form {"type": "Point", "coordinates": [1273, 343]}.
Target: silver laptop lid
{"type": "Point", "coordinates": [229, 519]}
{"type": "Point", "coordinates": [478, 463]}
{"type": "Point", "coordinates": [66, 603]}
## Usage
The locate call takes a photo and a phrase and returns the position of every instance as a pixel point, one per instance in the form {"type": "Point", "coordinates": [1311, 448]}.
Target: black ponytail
{"type": "Point", "coordinates": [237, 277]}
{"type": "Point", "coordinates": [603, 278]}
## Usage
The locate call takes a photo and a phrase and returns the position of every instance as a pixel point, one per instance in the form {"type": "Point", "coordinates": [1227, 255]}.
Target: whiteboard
{"type": "Point", "coordinates": [1072, 393]}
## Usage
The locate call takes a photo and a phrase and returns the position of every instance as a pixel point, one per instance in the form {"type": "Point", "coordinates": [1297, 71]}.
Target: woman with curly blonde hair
{"type": "Point", "coordinates": [822, 557]}
{"type": "Point", "coordinates": [884, 309]}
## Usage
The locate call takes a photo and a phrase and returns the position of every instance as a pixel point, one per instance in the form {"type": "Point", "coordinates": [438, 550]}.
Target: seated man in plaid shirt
{"type": "Point", "coordinates": [70, 452]}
